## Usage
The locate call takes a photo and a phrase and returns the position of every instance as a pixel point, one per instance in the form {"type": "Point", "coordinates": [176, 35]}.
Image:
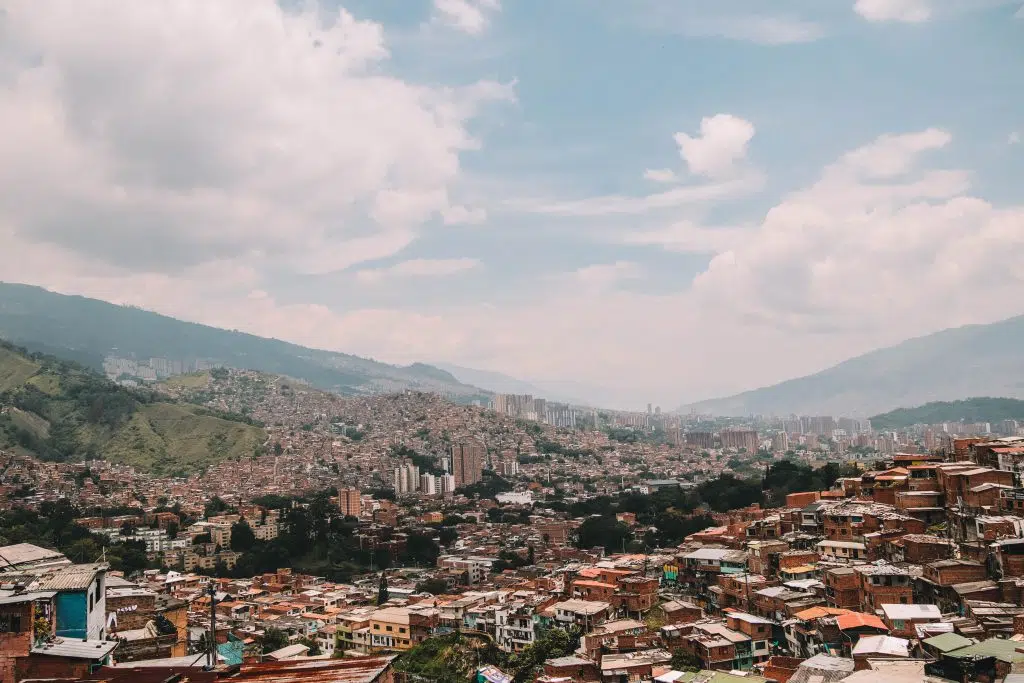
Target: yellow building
{"type": "Point", "coordinates": [389, 629]}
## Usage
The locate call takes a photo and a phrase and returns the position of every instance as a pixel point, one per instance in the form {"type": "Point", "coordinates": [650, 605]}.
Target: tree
{"type": "Point", "coordinates": [274, 639]}
{"type": "Point", "coordinates": [382, 590]}
{"type": "Point", "coordinates": [129, 557]}
{"type": "Point", "coordinates": [242, 536]}
{"type": "Point", "coordinates": [432, 586]}
{"type": "Point", "coordinates": [215, 506]}
{"type": "Point", "coordinates": [312, 644]}
{"type": "Point", "coordinates": [447, 535]}
{"type": "Point", "coordinates": [83, 551]}
{"type": "Point", "coordinates": [554, 643]}
{"type": "Point", "coordinates": [421, 549]}
{"type": "Point", "coordinates": [604, 531]}
{"type": "Point", "coordinates": [531, 556]}
{"type": "Point", "coordinates": [684, 661]}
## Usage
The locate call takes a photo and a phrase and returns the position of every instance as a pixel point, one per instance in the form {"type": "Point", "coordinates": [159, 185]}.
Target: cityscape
{"type": "Point", "coordinates": [366, 529]}
{"type": "Point", "coordinates": [511, 341]}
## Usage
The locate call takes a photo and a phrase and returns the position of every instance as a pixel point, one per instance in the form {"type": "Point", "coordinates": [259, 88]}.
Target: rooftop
{"type": "Point", "coordinates": [882, 645]}
{"type": "Point", "coordinates": [910, 612]}
{"type": "Point", "coordinates": [75, 648]}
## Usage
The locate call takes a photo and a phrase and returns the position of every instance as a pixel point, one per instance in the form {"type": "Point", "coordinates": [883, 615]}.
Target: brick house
{"type": "Point", "coordinates": [883, 584]}
{"type": "Point", "coordinates": [842, 587]}
{"type": "Point", "coordinates": [923, 548]}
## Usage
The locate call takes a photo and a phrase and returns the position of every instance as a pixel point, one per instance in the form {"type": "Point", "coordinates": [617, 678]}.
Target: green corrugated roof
{"type": "Point", "coordinates": [947, 642]}
{"type": "Point", "coordinates": [1003, 650]}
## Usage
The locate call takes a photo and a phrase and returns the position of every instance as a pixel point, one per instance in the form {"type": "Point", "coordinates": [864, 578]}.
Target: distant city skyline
{"type": "Point", "coordinates": [660, 201]}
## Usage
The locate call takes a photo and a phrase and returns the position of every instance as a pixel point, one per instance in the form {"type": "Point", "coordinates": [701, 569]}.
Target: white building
{"type": "Point", "coordinates": [515, 498]}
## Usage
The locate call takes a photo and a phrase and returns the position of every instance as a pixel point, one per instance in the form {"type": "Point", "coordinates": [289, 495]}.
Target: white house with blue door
{"type": "Point", "coordinates": [80, 604]}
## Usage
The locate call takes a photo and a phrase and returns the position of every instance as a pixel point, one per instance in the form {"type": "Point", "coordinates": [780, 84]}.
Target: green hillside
{"type": "Point", "coordinates": [992, 410]}
{"type": "Point", "coordinates": [57, 410]}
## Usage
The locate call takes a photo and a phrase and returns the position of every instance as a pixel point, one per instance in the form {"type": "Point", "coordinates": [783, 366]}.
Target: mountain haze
{"type": "Point", "coordinates": [974, 360]}
{"type": "Point", "coordinates": [501, 383]}
{"type": "Point", "coordinates": [85, 330]}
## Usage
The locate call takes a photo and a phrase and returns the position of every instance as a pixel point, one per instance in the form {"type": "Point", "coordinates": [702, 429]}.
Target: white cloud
{"type": "Point", "coordinates": [763, 30]}
{"type": "Point", "coordinates": [880, 248]}
{"type": "Point", "coordinates": [462, 215]}
{"type": "Point", "coordinates": [749, 21]}
{"type": "Point", "coordinates": [893, 155]}
{"type": "Point", "coordinates": [685, 237]}
{"type": "Point", "coordinates": [470, 16]}
{"type": "Point", "coordinates": [719, 148]}
{"type": "Point", "coordinates": [661, 175]}
{"type": "Point", "coordinates": [602, 276]}
{"type": "Point", "coordinates": [623, 205]}
{"type": "Point", "coordinates": [1014, 138]}
{"type": "Point", "coordinates": [161, 136]}
{"type": "Point", "coordinates": [908, 11]}
{"type": "Point", "coordinates": [836, 254]}
{"type": "Point", "coordinates": [416, 268]}
{"type": "Point", "coordinates": [718, 155]}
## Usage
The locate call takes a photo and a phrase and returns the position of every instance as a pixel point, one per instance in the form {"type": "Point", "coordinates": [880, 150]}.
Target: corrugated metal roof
{"type": "Point", "coordinates": [355, 670]}
{"type": "Point", "coordinates": [289, 651]}
{"type": "Point", "coordinates": [14, 599]}
{"type": "Point", "coordinates": [947, 642]}
{"type": "Point", "coordinates": [11, 556]}
{"type": "Point", "coordinates": [882, 645]}
{"type": "Point", "coordinates": [77, 649]}
{"type": "Point", "coordinates": [70, 578]}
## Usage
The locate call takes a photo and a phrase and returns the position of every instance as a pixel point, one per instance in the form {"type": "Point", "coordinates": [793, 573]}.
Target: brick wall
{"type": "Point", "coordinates": [15, 645]}
{"type": "Point", "coordinates": [960, 573]}
{"type": "Point", "coordinates": [922, 551]}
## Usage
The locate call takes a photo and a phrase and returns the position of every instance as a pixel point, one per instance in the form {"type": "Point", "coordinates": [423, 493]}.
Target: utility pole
{"type": "Point", "coordinates": [211, 645]}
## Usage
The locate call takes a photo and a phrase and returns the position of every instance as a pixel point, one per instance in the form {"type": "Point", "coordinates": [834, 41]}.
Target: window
{"type": "Point", "coordinates": [10, 623]}
{"type": "Point", "coordinates": [389, 628]}
{"type": "Point", "coordinates": [401, 629]}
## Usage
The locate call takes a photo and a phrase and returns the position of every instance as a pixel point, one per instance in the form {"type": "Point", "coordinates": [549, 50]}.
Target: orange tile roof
{"type": "Point", "coordinates": [858, 619]}
{"type": "Point", "coordinates": [818, 612]}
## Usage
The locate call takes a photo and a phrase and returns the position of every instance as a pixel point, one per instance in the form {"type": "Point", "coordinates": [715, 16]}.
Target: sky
{"type": "Point", "coordinates": [641, 201]}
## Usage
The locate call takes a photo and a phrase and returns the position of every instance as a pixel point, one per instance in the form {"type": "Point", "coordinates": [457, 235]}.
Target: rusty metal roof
{"type": "Point", "coordinates": [354, 670]}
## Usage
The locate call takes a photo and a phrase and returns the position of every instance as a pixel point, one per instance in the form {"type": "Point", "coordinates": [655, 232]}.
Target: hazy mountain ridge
{"type": "Point", "coordinates": [86, 330]}
{"type": "Point", "coordinates": [974, 360]}
{"type": "Point", "coordinates": [501, 383]}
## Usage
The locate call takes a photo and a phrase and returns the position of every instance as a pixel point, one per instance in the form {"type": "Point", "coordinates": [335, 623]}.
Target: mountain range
{"type": "Point", "coordinates": [87, 330]}
{"type": "Point", "coordinates": [958, 363]}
